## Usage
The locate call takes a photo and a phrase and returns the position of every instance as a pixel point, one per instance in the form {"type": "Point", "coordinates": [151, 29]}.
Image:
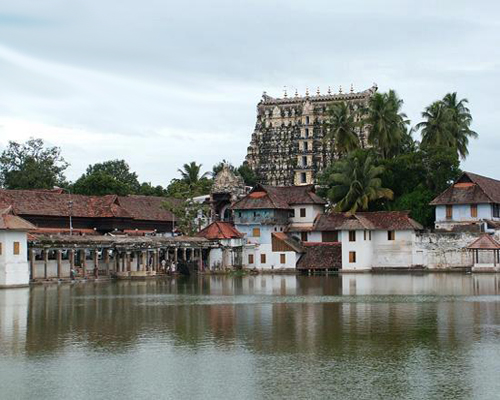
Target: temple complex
{"type": "Point", "coordinates": [288, 146]}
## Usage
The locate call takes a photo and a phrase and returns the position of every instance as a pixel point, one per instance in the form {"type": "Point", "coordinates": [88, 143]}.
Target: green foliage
{"type": "Point", "coordinates": [249, 176]}
{"type": "Point", "coordinates": [386, 123]}
{"type": "Point", "coordinates": [417, 201]}
{"type": "Point", "coordinates": [447, 123]}
{"type": "Point", "coordinates": [146, 189]}
{"type": "Point", "coordinates": [109, 177]}
{"type": "Point", "coordinates": [30, 165]}
{"type": "Point", "coordinates": [190, 173]}
{"type": "Point", "coordinates": [186, 214]}
{"type": "Point", "coordinates": [179, 189]}
{"type": "Point", "coordinates": [218, 167]}
{"type": "Point", "coordinates": [354, 182]}
{"type": "Point", "coordinates": [342, 128]}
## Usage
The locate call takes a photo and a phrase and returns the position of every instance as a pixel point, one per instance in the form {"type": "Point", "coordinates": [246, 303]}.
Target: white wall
{"type": "Point", "coordinates": [462, 213]}
{"type": "Point", "coordinates": [14, 269]}
{"type": "Point", "coordinates": [393, 253]}
{"type": "Point", "coordinates": [312, 210]}
{"type": "Point", "coordinates": [363, 248]}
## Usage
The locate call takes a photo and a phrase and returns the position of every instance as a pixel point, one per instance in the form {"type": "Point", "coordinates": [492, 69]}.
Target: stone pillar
{"type": "Point", "coordinates": [200, 260]}
{"type": "Point", "coordinates": [145, 260]}
{"type": "Point", "coordinates": [32, 264]}
{"type": "Point", "coordinates": [156, 260]}
{"type": "Point", "coordinates": [59, 264]}
{"type": "Point", "coordinates": [127, 258]}
{"type": "Point", "coordinates": [139, 260]}
{"type": "Point", "coordinates": [96, 263]}
{"type": "Point", "coordinates": [106, 260]}
{"type": "Point", "coordinates": [176, 256]}
{"type": "Point", "coordinates": [83, 263]}
{"type": "Point", "coordinates": [45, 263]}
{"type": "Point", "coordinates": [184, 254]}
{"type": "Point", "coordinates": [71, 260]}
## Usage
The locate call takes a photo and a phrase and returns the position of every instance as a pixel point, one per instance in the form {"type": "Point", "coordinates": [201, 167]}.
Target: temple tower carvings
{"type": "Point", "coordinates": [287, 145]}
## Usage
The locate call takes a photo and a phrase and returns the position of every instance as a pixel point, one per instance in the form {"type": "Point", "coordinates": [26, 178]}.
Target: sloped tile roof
{"type": "Point", "coordinates": [383, 220]}
{"type": "Point", "coordinates": [146, 208]}
{"type": "Point", "coordinates": [470, 189]}
{"type": "Point", "coordinates": [278, 197]}
{"type": "Point", "coordinates": [484, 242]}
{"type": "Point", "coordinates": [10, 221]}
{"type": "Point", "coordinates": [321, 256]}
{"type": "Point", "coordinates": [57, 203]}
{"type": "Point", "coordinates": [220, 230]}
{"type": "Point", "coordinates": [289, 242]}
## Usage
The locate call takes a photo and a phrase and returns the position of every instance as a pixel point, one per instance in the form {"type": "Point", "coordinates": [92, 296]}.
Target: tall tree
{"type": "Point", "coordinates": [447, 123]}
{"type": "Point", "coordinates": [354, 182]}
{"type": "Point", "coordinates": [190, 173]}
{"type": "Point", "coordinates": [461, 120]}
{"type": "Point", "coordinates": [342, 128]}
{"type": "Point", "coordinates": [31, 165]}
{"type": "Point", "coordinates": [386, 123]}
{"type": "Point", "coordinates": [108, 177]}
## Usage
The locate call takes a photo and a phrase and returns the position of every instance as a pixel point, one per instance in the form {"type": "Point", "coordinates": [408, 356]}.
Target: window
{"type": "Point", "coordinates": [352, 256]}
{"type": "Point", "coordinates": [496, 210]}
{"type": "Point", "coordinates": [0, 248]}
{"type": "Point", "coordinates": [391, 235]}
{"type": "Point", "coordinates": [250, 258]}
{"type": "Point", "coordinates": [307, 132]}
{"type": "Point", "coordinates": [305, 146]}
{"type": "Point", "coordinates": [473, 210]}
{"type": "Point", "coordinates": [304, 161]}
{"type": "Point", "coordinates": [262, 258]}
{"type": "Point", "coordinates": [364, 235]}
{"type": "Point", "coordinates": [256, 232]}
{"type": "Point", "coordinates": [17, 246]}
{"type": "Point", "coordinates": [449, 212]}
{"type": "Point", "coordinates": [303, 178]}
{"type": "Point", "coordinates": [302, 213]}
{"type": "Point", "coordinates": [239, 214]}
{"type": "Point", "coordinates": [369, 235]}
{"type": "Point", "coordinates": [254, 214]}
{"type": "Point", "coordinates": [352, 236]}
{"type": "Point", "coordinates": [292, 213]}
{"type": "Point", "coordinates": [283, 258]}
{"type": "Point", "coordinates": [303, 236]}
{"type": "Point", "coordinates": [307, 120]}
{"type": "Point", "coordinates": [330, 236]}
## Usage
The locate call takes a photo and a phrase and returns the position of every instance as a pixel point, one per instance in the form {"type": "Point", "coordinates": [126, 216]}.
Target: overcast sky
{"type": "Point", "coordinates": [161, 83]}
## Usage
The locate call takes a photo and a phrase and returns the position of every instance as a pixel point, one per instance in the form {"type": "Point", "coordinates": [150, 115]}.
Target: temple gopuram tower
{"type": "Point", "coordinates": [287, 146]}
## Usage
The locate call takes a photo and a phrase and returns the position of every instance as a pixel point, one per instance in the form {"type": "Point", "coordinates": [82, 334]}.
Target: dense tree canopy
{"type": "Point", "coordinates": [386, 123]}
{"type": "Point", "coordinates": [342, 129]}
{"type": "Point", "coordinates": [108, 177]}
{"type": "Point", "coordinates": [354, 182]}
{"type": "Point", "coordinates": [447, 123]}
{"type": "Point", "coordinates": [31, 165]}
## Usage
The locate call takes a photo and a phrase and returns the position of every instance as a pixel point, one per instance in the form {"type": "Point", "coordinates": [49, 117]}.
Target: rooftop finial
{"type": "Point", "coordinates": [296, 93]}
{"type": "Point", "coordinates": [340, 89]}
{"type": "Point", "coordinates": [352, 88]}
{"type": "Point", "coordinates": [329, 90]}
{"type": "Point", "coordinates": [285, 94]}
{"type": "Point", "coordinates": [307, 92]}
{"type": "Point", "coordinates": [317, 91]}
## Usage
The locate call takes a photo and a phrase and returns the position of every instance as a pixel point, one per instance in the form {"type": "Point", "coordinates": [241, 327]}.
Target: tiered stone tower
{"type": "Point", "coordinates": [287, 146]}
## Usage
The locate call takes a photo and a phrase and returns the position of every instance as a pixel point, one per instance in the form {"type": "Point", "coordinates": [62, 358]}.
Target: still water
{"type": "Point", "coordinates": [432, 336]}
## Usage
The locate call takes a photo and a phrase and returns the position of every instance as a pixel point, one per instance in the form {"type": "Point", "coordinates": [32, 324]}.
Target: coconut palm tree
{"type": "Point", "coordinates": [386, 123]}
{"type": "Point", "coordinates": [461, 120]}
{"type": "Point", "coordinates": [342, 128]}
{"type": "Point", "coordinates": [191, 173]}
{"type": "Point", "coordinates": [437, 126]}
{"type": "Point", "coordinates": [355, 183]}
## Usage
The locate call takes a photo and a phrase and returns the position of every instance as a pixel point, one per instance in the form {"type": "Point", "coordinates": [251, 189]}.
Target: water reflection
{"type": "Point", "coordinates": [411, 336]}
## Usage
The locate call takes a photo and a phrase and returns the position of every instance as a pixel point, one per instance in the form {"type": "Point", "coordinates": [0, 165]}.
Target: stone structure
{"type": "Point", "coordinates": [226, 190]}
{"type": "Point", "coordinates": [287, 146]}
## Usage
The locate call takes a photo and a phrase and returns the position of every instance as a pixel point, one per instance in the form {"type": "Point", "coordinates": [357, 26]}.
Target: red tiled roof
{"type": "Point", "coordinates": [220, 230]}
{"type": "Point", "coordinates": [146, 208]}
{"type": "Point", "coordinates": [278, 197]}
{"type": "Point", "coordinates": [470, 189]}
{"type": "Point", "coordinates": [321, 256]}
{"type": "Point", "coordinates": [384, 220]}
{"type": "Point", "coordinates": [56, 203]}
{"type": "Point", "coordinates": [287, 242]}
{"type": "Point", "coordinates": [10, 221]}
{"type": "Point", "coordinates": [484, 242]}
